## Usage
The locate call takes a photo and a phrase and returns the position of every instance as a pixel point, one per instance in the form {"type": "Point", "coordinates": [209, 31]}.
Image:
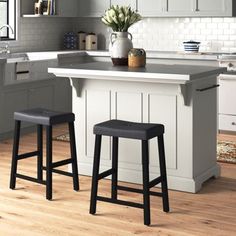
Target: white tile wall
{"type": "Point", "coordinates": [215, 34]}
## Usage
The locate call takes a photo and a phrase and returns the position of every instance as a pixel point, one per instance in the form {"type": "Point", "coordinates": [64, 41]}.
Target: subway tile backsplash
{"type": "Point", "coordinates": [167, 34]}
{"type": "Point", "coordinates": [36, 34]}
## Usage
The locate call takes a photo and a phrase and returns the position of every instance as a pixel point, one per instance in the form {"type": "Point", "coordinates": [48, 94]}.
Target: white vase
{"type": "Point", "coordinates": [120, 45]}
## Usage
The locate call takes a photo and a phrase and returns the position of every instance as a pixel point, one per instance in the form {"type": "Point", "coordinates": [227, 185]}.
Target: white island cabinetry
{"type": "Point", "coordinates": [183, 98]}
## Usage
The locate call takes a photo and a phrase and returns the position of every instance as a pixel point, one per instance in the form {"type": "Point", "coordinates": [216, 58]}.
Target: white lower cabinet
{"type": "Point", "coordinates": [227, 98]}
{"type": "Point", "coordinates": [227, 122]}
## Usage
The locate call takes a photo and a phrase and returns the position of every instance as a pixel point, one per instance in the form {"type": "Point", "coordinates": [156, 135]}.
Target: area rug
{"type": "Point", "coordinates": [226, 150]}
{"type": "Point", "coordinates": [63, 137]}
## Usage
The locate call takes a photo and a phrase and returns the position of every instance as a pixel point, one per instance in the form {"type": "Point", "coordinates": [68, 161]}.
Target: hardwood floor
{"type": "Point", "coordinates": [25, 211]}
{"type": "Point", "coordinates": [227, 137]}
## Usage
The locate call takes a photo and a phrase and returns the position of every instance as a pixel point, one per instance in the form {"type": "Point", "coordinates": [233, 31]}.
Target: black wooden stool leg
{"type": "Point", "coordinates": [96, 163]}
{"type": "Point", "coordinates": [15, 154]}
{"type": "Point", "coordinates": [40, 152]}
{"type": "Point", "coordinates": [73, 156]}
{"type": "Point", "coordinates": [49, 163]}
{"type": "Point", "coordinates": [146, 192]}
{"type": "Point", "coordinates": [114, 168]}
{"type": "Point", "coordinates": [164, 186]}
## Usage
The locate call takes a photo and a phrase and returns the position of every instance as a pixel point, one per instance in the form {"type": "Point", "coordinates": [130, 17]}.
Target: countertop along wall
{"type": "Point", "coordinates": [167, 34]}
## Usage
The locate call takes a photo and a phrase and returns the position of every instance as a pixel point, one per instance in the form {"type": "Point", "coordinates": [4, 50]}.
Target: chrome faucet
{"type": "Point", "coordinates": [5, 49]}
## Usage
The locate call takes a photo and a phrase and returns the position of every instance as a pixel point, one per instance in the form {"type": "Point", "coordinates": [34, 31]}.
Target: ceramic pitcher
{"type": "Point", "coordinates": [120, 45]}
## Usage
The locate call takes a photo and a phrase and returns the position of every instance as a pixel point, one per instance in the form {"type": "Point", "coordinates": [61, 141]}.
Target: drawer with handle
{"type": "Point", "coordinates": [227, 122]}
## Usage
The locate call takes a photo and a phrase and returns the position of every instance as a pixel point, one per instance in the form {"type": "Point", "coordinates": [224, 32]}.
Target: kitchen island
{"type": "Point", "coordinates": [182, 97]}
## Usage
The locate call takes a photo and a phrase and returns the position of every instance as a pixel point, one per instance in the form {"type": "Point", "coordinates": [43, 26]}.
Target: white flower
{"type": "Point", "coordinates": [121, 17]}
{"type": "Point", "coordinates": [104, 21]}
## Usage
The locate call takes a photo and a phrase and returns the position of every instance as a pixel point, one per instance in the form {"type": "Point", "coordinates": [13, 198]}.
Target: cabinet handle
{"type": "Point", "coordinates": [196, 9]}
{"type": "Point", "coordinates": [208, 88]}
{"type": "Point", "coordinates": [233, 123]}
{"type": "Point", "coordinates": [22, 72]}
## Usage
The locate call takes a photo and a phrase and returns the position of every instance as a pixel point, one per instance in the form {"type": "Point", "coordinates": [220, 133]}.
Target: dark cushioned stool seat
{"type": "Point", "coordinates": [131, 130]}
{"type": "Point", "coordinates": [44, 116]}
{"type": "Point", "coordinates": [126, 129]}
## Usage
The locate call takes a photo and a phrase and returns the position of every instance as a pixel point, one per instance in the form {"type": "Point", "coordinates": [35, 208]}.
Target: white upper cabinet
{"type": "Point", "coordinates": [183, 8]}
{"type": "Point", "coordinates": [93, 8]}
{"type": "Point", "coordinates": [215, 7]}
{"type": "Point", "coordinates": [132, 3]}
{"type": "Point", "coordinates": [147, 8]}
{"type": "Point", "coordinates": [65, 9]}
{"type": "Point", "coordinates": [151, 8]}
{"type": "Point", "coordinates": [179, 7]}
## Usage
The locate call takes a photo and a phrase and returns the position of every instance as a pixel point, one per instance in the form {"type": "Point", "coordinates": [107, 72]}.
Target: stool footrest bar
{"type": "Point", "coordinates": [120, 202]}
{"type": "Point", "coordinates": [61, 172]}
{"type": "Point", "coordinates": [105, 174]}
{"type": "Point", "coordinates": [128, 189]}
{"type": "Point", "coordinates": [62, 163]}
{"type": "Point", "coordinates": [135, 190]}
{"type": "Point", "coordinates": [155, 182]}
{"type": "Point", "coordinates": [28, 178]}
{"type": "Point", "coordinates": [27, 155]}
{"type": "Point", "coordinates": [156, 194]}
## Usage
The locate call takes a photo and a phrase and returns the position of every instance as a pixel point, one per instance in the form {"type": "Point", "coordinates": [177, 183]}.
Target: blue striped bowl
{"type": "Point", "coordinates": [191, 46]}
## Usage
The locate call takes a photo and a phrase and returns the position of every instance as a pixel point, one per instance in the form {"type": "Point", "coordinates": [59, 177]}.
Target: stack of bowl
{"type": "Point", "coordinates": [191, 46]}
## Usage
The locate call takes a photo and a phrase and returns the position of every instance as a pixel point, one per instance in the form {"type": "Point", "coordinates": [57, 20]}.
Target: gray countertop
{"type": "Point", "coordinates": [180, 74]}
{"type": "Point", "coordinates": [48, 55]}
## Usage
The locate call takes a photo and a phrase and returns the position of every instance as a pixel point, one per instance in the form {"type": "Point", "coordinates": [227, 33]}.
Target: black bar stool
{"type": "Point", "coordinates": [42, 117]}
{"type": "Point", "coordinates": [123, 129]}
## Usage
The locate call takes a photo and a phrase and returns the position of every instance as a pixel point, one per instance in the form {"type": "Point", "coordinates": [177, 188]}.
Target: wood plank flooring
{"type": "Point", "coordinates": [25, 211]}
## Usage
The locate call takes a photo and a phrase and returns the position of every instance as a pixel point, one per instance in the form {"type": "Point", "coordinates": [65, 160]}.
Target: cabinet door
{"type": "Point", "coordinates": [226, 96]}
{"type": "Point", "coordinates": [26, 7]}
{"type": "Point", "coordinates": [41, 97]}
{"type": "Point", "coordinates": [71, 9]}
{"type": "Point", "coordinates": [93, 8]}
{"type": "Point", "coordinates": [150, 8]}
{"type": "Point", "coordinates": [180, 7]}
{"type": "Point", "coordinates": [13, 100]}
{"type": "Point", "coordinates": [214, 7]}
{"type": "Point", "coordinates": [131, 3]}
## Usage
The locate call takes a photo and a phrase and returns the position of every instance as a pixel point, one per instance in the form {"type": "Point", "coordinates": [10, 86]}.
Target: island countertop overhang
{"type": "Point", "coordinates": [154, 73]}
